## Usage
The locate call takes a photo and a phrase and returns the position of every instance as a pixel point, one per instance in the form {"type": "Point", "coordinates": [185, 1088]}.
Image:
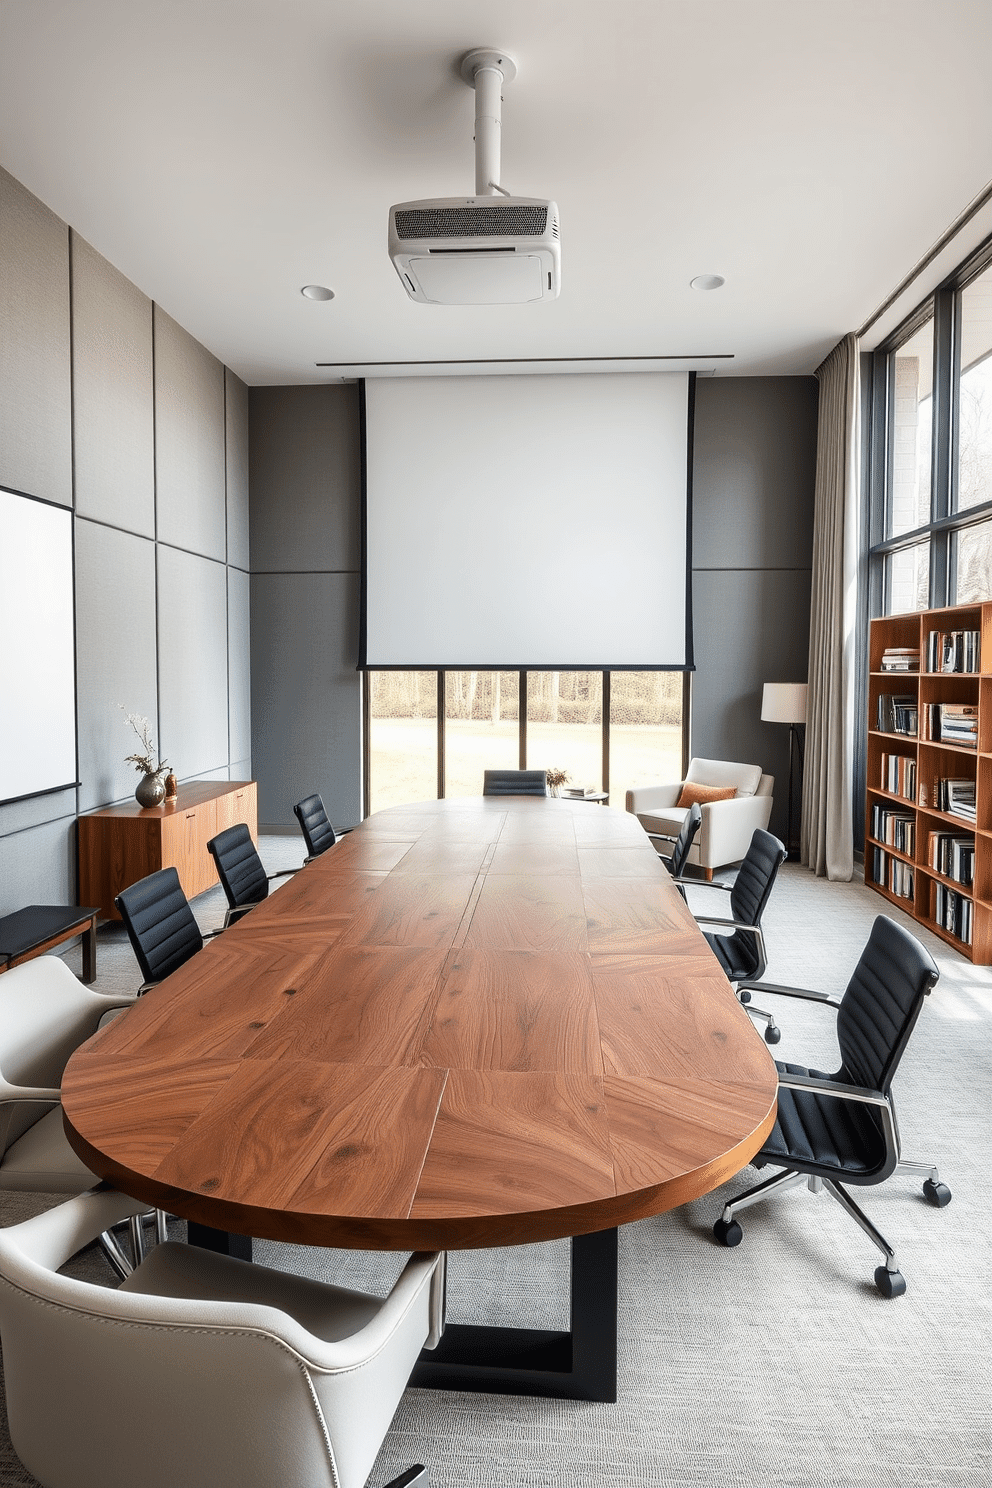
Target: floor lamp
{"type": "Point", "coordinates": [785, 702]}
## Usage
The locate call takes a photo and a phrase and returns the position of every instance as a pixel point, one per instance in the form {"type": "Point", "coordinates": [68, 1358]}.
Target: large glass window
{"type": "Point", "coordinates": [931, 476]}
{"type": "Point", "coordinates": [483, 726]}
{"type": "Point", "coordinates": [974, 483]}
{"type": "Point", "coordinates": [481, 714]}
{"type": "Point", "coordinates": [645, 730]}
{"type": "Point", "coordinates": [910, 433]}
{"type": "Point", "coordinates": [565, 725]}
{"type": "Point", "coordinates": [402, 725]}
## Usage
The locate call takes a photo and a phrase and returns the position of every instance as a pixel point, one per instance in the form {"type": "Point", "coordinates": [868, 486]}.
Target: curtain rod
{"type": "Point", "coordinates": [963, 218]}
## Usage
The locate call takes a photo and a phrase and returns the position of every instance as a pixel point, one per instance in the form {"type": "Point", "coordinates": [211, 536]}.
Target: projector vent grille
{"type": "Point", "coordinates": [497, 221]}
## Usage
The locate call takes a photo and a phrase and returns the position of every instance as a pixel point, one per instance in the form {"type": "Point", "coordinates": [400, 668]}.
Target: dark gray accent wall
{"type": "Point", "coordinates": [754, 468]}
{"type": "Point", "coordinates": [305, 557]}
{"type": "Point", "coordinates": [157, 445]}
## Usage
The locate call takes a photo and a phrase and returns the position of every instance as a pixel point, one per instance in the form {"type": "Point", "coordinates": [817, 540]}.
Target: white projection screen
{"type": "Point", "coordinates": [37, 648]}
{"type": "Point", "coordinates": [528, 521]}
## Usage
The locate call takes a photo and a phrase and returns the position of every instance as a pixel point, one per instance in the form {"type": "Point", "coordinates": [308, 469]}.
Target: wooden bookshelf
{"type": "Point", "coordinates": [926, 762]}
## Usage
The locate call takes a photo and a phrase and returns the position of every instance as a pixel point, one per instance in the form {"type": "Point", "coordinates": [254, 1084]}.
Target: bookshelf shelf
{"type": "Point", "coordinates": [908, 686]}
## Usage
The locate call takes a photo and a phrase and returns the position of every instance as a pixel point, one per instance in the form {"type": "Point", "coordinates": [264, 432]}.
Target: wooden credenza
{"type": "Point", "coordinates": [118, 845]}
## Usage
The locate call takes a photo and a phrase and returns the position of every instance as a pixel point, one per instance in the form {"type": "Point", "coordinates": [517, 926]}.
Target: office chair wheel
{"type": "Point", "coordinates": [772, 1034]}
{"type": "Point", "coordinates": [744, 996]}
{"type": "Point", "coordinates": [937, 1194]}
{"type": "Point", "coordinates": [890, 1283]}
{"type": "Point", "coordinates": [728, 1232]}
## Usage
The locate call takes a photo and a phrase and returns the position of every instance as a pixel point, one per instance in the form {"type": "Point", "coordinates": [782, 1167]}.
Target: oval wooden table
{"type": "Point", "coordinates": [471, 1023]}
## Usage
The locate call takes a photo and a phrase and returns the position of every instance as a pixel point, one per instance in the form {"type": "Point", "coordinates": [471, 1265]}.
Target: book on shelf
{"type": "Point", "coordinates": [957, 797]}
{"type": "Point", "coordinates": [954, 651]}
{"type": "Point", "coordinates": [896, 828]}
{"type": "Point", "coordinates": [897, 714]}
{"type": "Point", "coordinates": [953, 856]}
{"type": "Point", "coordinates": [892, 874]}
{"type": "Point", "coordinates": [952, 911]}
{"type": "Point", "coordinates": [952, 723]}
{"type": "Point", "coordinates": [901, 659]}
{"type": "Point", "coordinates": [899, 775]}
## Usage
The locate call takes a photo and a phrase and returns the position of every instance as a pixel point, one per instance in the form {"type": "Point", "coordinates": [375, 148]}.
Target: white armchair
{"type": "Point", "coordinates": [727, 826]}
{"type": "Point", "coordinates": [200, 1370]}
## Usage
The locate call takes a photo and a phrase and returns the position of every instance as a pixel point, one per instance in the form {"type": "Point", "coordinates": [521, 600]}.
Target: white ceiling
{"type": "Point", "coordinates": [223, 153]}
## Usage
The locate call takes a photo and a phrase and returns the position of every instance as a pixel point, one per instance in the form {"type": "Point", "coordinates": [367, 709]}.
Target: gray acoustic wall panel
{"type": "Point", "coordinates": [192, 651]}
{"type": "Point", "coordinates": [237, 470]}
{"type": "Point", "coordinates": [239, 663]}
{"type": "Point", "coordinates": [754, 466]}
{"type": "Point", "coordinates": [35, 381]}
{"type": "Point", "coordinates": [16, 816]}
{"type": "Point", "coordinates": [39, 866]}
{"type": "Point", "coordinates": [113, 422]}
{"type": "Point", "coordinates": [115, 657]}
{"type": "Point", "coordinates": [306, 695]}
{"type": "Point", "coordinates": [305, 475]}
{"type": "Point", "coordinates": [190, 477]}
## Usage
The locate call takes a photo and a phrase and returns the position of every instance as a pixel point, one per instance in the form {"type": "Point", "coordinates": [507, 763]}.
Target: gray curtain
{"type": "Point", "coordinates": [827, 822]}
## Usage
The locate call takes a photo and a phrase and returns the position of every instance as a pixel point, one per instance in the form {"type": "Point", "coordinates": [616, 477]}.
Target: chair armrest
{"type": "Point", "coordinates": [860, 1093]}
{"type": "Point", "coordinates": [663, 836]}
{"type": "Point", "coordinates": [731, 924]}
{"type": "Point", "coordinates": [709, 883]}
{"type": "Point", "coordinates": [283, 873]}
{"type": "Point", "coordinates": [646, 797]}
{"type": "Point", "coordinates": [801, 992]}
{"type": "Point", "coordinates": [23, 1093]}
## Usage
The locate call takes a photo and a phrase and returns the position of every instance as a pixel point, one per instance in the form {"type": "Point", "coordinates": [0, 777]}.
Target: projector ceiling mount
{"type": "Point", "coordinates": [474, 250]}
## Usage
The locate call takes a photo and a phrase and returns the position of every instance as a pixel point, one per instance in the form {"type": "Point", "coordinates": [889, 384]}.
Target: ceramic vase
{"type": "Point", "coordinates": [150, 791]}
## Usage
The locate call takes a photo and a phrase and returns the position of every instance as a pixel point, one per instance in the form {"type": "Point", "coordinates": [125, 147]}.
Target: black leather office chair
{"type": "Point", "coordinates": [679, 856]}
{"type": "Point", "coordinates": [742, 954]}
{"type": "Point", "coordinates": [160, 925]}
{"type": "Point", "coordinates": [843, 1126]}
{"type": "Point", "coordinates": [515, 783]}
{"type": "Point", "coordinates": [318, 834]}
{"type": "Point", "coordinates": [239, 868]}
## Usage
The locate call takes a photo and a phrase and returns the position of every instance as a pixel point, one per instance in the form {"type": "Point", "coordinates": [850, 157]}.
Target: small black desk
{"type": "Point", "coordinates": [35, 929]}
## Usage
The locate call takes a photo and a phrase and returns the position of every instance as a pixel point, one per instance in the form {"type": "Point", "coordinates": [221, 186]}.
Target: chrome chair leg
{"type": "Point", "coordinates": [888, 1278]}
{"type": "Point", "coordinates": [161, 1228]}
{"type": "Point", "coordinates": [115, 1255]}
{"type": "Point", "coordinates": [136, 1226]}
{"type": "Point", "coordinates": [415, 1474]}
{"type": "Point", "coordinates": [936, 1193]}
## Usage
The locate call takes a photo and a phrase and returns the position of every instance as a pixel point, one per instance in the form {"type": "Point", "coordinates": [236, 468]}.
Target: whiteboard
{"type": "Point", "coordinates": [37, 648]}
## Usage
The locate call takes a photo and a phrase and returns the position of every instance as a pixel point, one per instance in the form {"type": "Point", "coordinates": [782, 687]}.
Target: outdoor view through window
{"type": "Point", "coordinates": [481, 730]}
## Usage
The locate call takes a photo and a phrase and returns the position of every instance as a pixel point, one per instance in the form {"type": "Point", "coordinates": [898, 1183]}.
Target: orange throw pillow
{"type": "Point", "coordinates": [691, 793]}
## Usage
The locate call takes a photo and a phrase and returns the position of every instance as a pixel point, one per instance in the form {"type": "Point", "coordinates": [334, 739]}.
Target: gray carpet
{"type": "Point", "coordinates": [776, 1364]}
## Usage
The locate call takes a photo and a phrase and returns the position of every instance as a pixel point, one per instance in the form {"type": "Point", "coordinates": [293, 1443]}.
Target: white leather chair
{"type": "Point", "coordinates": [727, 826]}
{"type": "Point", "coordinates": [199, 1370]}
{"type": "Point", "coordinates": [45, 1014]}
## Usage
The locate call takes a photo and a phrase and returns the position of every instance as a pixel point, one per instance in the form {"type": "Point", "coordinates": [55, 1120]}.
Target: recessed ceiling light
{"type": "Point", "coordinates": [701, 281]}
{"type": "Point", "coordinates": [321, 292]}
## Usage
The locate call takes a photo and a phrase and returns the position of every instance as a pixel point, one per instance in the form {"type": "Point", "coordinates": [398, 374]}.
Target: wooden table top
{"type": "Point", "coordinates": [470, 1023]}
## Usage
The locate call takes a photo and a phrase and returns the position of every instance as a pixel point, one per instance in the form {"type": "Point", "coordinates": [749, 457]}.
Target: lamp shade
{"type": "Point", "coordinates": [783, 702]}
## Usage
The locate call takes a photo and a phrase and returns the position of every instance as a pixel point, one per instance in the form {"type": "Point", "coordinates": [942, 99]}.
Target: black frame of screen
{"type": "Point", "coordinates": [441, 673]}
{"type": "Point", "coordinates": [364, 665]}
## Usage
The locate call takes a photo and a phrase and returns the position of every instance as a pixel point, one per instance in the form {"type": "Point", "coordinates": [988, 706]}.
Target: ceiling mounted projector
{"type": "Point", "coordinates": [486, 249]}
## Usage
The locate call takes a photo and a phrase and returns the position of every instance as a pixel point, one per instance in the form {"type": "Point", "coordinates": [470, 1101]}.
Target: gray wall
{"type": "Point", "coordinates": [110, 407]}
{"type": "Point", "coordinates": [755, 446]}
{"type": "Point", "coordinates": [753, 475]}
{"type": "Point", "coordinates": [304, 472]}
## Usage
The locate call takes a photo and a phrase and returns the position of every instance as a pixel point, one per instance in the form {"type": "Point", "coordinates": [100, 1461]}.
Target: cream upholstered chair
{"type": "Point", "coordinates": [727, 826]}
{"type": "Point", "coordinates": [45, 1014]}
{"type": "Point", "coordinates": [200, 1370]}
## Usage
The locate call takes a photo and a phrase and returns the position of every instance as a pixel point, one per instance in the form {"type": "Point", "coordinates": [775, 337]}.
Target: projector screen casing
{"type": "Point", "coordinates": [527, 522]}
{"type": "Point", "coordinates": [37, 649]}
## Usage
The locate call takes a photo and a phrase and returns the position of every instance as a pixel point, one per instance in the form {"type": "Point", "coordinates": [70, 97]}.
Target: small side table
{"type": "Point", "coordinates": [600, 798]}
{"type": "Point", "coordinates": [31, 931]}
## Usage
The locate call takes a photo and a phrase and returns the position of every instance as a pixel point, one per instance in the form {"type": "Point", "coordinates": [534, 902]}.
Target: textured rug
{"type": "Point", "coordinates": [774, 1365]}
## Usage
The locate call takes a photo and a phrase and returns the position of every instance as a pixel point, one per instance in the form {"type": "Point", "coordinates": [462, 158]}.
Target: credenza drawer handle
{"type": "Point", "coordinates": [191, 816]}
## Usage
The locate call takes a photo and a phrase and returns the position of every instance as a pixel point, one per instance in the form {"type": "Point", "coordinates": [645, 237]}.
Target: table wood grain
{"type": "Point", "coordinates": [470, 1023]}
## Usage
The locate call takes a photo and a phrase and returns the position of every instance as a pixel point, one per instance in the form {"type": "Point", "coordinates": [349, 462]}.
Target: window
{"type": "Point", "coordinates": [609, 730]}
{"type": "Point", "coordinates": [930, 480]}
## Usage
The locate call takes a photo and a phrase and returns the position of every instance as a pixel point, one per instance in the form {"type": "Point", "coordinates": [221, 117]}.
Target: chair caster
{"type": "Point", "coordinates": [937, 1194]}
{"type": "Point", "coordinates": [772, 1034]}
{"type": "Point", "coordinates": [890, 1283]}
{"type": "Point", "coordinates": [744, 996]}
{"type": "Point", "coordinates": [728, 1232]}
